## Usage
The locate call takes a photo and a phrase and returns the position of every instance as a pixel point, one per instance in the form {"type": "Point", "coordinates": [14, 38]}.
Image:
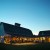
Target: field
{"type": "Point", "coordinates": [25, 47]}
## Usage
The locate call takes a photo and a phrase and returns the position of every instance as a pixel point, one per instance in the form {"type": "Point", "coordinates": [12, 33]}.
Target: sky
{"type": "Point", "coordinates": [31, 14]}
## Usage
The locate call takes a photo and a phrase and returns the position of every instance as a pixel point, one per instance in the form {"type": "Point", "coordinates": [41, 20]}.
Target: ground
{"type": "Point", "coordinates": [25, 47]}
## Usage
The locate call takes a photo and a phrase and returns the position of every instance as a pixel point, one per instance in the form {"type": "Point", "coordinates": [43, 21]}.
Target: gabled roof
{"type": "Point", "coordinates": [44, 33]}
{"type": "Point", "coordinates": [16, 31]}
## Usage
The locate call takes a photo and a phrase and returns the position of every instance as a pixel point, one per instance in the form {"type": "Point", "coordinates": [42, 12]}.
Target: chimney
{"type": "Point", "coordinates": [17, 24]}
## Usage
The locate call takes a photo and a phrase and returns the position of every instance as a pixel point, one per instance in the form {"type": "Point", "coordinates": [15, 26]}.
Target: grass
{"type": "Point", "coordinates": [25, 47]}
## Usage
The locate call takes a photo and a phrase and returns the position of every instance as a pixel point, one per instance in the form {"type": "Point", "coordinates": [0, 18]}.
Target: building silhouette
{"type": "Point", "coordinates": [44, 33]}
{"type": "Point", "coordinates": [10, 30]}
{"type": "Point", "coordinates": [14, 30]}
{"type": "Point", "coordinates": [16, 34]}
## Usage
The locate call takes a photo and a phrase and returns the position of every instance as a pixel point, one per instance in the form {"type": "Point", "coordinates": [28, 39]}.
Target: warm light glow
{"type": "Point", "coordinates": [7, 39]}
{"type": "Point", "coordinates": [2, 36]}
{"type": "Point", "coordinates": [49, 39]}
{"type": "Point", "coordinates": [15, 40]}
{"type": "Point", "coordinates": [43, 38]}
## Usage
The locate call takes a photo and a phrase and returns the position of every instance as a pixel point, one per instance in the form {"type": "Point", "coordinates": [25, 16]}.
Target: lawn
{"type": "Point", "coordinates": [25, 47]}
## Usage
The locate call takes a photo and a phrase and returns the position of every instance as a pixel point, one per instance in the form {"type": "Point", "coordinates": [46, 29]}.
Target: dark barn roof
{"type": "Point", "coordinates": [44, 33]}
{"type": "Point", "coordinates": [16, 30]}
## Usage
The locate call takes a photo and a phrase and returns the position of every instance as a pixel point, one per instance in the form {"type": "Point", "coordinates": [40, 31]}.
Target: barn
{"type": "Point", "coordinates": [14, 33]}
